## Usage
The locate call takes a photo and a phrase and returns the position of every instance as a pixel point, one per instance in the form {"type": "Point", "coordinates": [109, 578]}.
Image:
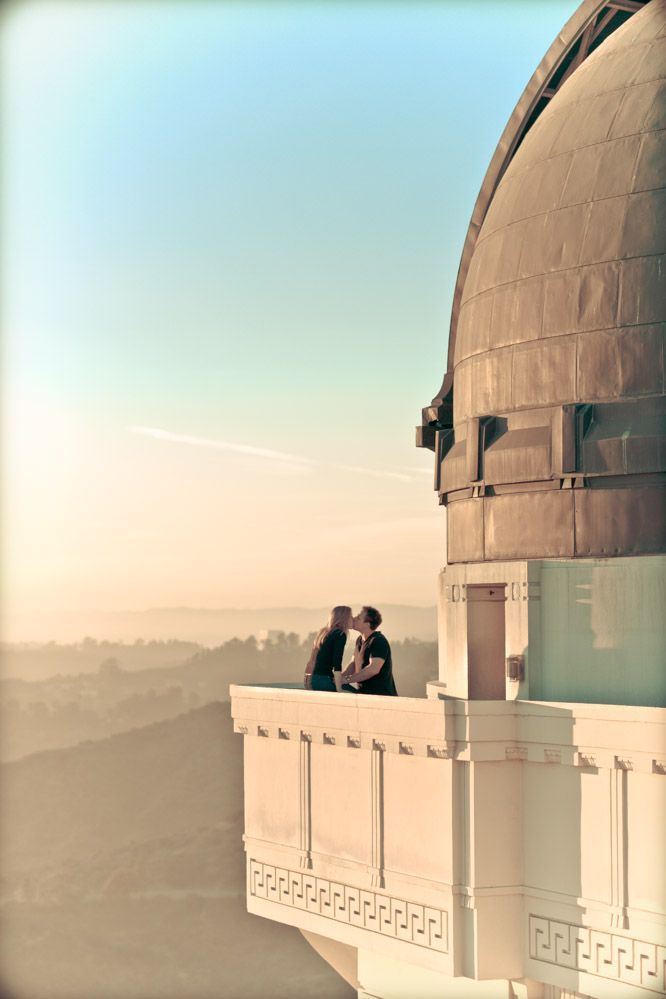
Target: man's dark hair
{"type": "Point", "coordinates": [372, 616]}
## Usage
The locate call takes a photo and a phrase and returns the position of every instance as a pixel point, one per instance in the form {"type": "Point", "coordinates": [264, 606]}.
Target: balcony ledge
{"type": "Point", "coordinates": [420, 829]}
{"type": "Point", "coordinates": [581, 735]}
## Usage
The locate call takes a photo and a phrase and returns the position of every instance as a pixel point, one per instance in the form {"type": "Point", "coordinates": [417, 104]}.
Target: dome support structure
{"type": "Point", "coordinates": [549, 429]}
{"type": "Point", "coordinates": [589, 26]}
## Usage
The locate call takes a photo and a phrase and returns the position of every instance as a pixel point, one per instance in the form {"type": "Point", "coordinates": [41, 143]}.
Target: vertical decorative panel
{"type": "Point", "coordinates": [618, 826]}
{"type": "Point", "coordinates": [305, 775]}
{"type": "Point", "coordinates": [377, 791]}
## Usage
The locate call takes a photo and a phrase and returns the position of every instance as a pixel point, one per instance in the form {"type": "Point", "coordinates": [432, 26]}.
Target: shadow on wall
{"type": "Point", "coordinates": [602, 634]}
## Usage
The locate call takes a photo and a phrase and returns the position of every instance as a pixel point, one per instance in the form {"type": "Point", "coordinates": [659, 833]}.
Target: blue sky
{"type": "Point", "coordinates": [237, 224]}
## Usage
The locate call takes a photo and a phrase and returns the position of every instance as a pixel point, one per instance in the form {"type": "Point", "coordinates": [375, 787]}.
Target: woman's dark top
{"type": "Point", "coordinates": [329, 654]}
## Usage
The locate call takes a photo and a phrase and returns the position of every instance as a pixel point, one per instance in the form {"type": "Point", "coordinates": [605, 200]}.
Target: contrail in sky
{"type": "Point", "coordinates": [373, 471]}
{"type": "Point", "coordinates": [295, 460]}
{"type": "Point", "coordinates": [247, 449]}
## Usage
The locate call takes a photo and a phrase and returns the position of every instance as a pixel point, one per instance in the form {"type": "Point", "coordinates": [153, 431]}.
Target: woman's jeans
{"type": "Point", "coordinates": [322, 682]}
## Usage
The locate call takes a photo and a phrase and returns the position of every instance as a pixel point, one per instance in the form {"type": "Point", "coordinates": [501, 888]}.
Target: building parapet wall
{"type": "Point", "coordinates": [481, 839]}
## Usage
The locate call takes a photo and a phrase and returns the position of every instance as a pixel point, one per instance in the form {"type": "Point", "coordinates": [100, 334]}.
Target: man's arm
{"type": "Point", "coordinates": [372, 669]}
{"type": "Point", "coordinates": [347, 672]}
{"type": "Point", "coordinates": [355, 665]}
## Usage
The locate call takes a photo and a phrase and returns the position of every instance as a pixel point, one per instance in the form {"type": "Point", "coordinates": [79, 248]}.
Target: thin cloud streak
{"type": "Point", "coordinates": [247, 449]}
{"type": "Point", "coordinates": [374, 471]}
{"type": "Point", "coordinates": [294, 461]}
{"type": "Point", "coordinates": [417, 471]}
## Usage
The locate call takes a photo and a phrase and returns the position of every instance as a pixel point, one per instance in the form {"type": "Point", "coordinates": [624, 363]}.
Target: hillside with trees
{"type": "Point", "coordinates": [123, 874]}
{"type": "Point", "coordinates": [139, 684]}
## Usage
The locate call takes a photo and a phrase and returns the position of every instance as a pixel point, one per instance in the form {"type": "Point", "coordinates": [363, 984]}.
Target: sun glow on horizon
{"type": "Point", "coordinates": [232, 236]}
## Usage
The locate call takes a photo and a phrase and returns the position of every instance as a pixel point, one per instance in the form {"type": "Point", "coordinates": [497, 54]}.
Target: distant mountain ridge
{"type": "Point", "coordinates": [208, 626]}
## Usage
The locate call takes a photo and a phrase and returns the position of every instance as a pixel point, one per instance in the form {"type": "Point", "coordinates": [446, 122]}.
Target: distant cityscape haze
{"type": "Point", "coordinates": [205, 626]}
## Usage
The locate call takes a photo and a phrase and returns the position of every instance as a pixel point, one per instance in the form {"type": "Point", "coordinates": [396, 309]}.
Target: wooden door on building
{"type": "Point", "coordinates": [486, 642]}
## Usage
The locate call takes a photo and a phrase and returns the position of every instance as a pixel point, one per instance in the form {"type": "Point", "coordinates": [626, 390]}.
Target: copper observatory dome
{"type": "Point", "coordinates": [548, 430]}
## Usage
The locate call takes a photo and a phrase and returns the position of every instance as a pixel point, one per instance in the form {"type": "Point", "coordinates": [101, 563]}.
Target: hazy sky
{"type": "Point", "coordinates": [230, 237]}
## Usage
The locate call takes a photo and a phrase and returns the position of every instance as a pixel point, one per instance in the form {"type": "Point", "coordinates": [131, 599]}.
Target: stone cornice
{"type": "Point", "coordinates": [586, 736]}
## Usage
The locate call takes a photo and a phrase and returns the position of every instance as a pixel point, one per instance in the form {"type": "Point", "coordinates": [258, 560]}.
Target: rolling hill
{"type": "Point", "coordinates": [123, 874]}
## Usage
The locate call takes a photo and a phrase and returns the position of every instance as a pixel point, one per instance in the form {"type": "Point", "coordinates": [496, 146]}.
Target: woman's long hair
{"type": "Point", "coordinates": [338, 620]}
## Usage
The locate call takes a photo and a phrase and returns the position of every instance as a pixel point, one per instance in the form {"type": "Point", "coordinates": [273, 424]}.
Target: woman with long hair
{"type": "Point", "coordinates": [325, 663]}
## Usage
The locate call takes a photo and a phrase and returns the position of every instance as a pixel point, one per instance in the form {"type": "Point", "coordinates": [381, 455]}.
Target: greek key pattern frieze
{"type": "Point", "coordinates": [597, 952]}
{"type": "Point", "coordinates": [384, 914]}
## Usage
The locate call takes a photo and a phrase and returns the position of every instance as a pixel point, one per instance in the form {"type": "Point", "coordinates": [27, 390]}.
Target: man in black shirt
{"type": "Point", "coordinates": [372, 667]}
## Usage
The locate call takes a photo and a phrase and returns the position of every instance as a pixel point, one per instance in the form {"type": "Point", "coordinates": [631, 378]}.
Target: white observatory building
{"type": "Point", "coordinates": [505, 835]}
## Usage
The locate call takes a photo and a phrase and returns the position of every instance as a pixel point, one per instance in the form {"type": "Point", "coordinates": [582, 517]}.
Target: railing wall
{"type": "Point", "coordinates": [490, 840]}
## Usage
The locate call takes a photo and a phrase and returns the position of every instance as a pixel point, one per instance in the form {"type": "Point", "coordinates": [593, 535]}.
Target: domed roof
{"type": "Point", "coordinates": [555, 445]}
{"type": "Point", "coordinates": [565, 285]}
